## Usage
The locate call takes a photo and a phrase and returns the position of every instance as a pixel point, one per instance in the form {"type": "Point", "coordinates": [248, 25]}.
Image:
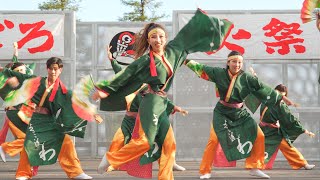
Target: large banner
{"type": "Point", "coordinates": [264, 35]}
{"type": "Point", "coordinates": [38, 35]}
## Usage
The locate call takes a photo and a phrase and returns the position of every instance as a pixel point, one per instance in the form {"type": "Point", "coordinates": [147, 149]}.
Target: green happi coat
{"type": "Point", "coordinates": [235, 128]}
{"type": "Point", "coordinates": [11, 113]}
{"type": "Point", "coordinates": [200, 34]}
{"type": "Point", "coordinates": [6, 91]}
{"type": "Point", "coordinates": [45, 132]}
{"type": "Point", "coordinates": [128, 122]}
{"type": "Point", "coordinates": [290, 127]}
{"type": "Point", "coordinates": [5, 88]}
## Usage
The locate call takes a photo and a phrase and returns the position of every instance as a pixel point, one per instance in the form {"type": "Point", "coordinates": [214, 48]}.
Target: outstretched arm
{"type": "Point", "coordinates": [180, 110]}
{"type": "Point", "coordinates": [291, 124]}
{"type": "Point", "coordinates": [309, 133]}
{"type": "Point", "coordinates": [284, 98]}
{"type": "Point", "coordinates": [203, 71]}
{"type": "Point", "coordinates": [126, 81]}
{"type": "Point", "coordinates": [171, 108]}
{"type": "Point", "coordinates": [263, 92]}
{"type": "Point", "coordinates": [15, 46]}
{"type": "Point", "coordinates": [115, 66]}
{"type": "Point", "coordinates": [289, 102]}
{"type": "Point", "coordinates": [202, 33]}
{"type": "Point", "coordinates": [15, 53]}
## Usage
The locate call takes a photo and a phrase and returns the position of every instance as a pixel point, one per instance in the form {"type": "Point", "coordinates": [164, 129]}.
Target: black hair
{"type": "Point", "coordinates": [54, 60]}
{"type": "Point", "coordinates": [9, 65]}
{"type": "Point", "coordinates": [16, 64]}
{"type": "Point", "coordinates": [234, 53]}
{"type": "Point", "coordinates": [282, 88]}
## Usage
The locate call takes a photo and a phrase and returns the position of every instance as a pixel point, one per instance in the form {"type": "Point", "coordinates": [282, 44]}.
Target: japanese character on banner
{"type": "Point", "coordinates": [34, 34]}
{"type": "Point", "coordinates": [239, 36]}
{"type": "Point", "coordinates": [284, 37]}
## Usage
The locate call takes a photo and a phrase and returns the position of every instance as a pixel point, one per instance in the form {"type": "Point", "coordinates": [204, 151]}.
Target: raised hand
{"type": "Point", "coordinates": [109, 53]}
{"type": "Point", "coordinates": [252, 71]}
{"type": "Point", "coordinates": [97, 95]}
{"type": "Point", "coordinates": [15, 46]}
{"type": "Point", "coordinates": [289, 102]}
{"type": "Point", "coordinates": [180, 110]}
{"type": "Point", "coordinates": [13, 82]}
{"type": "Point", "coordinates": [309, 133]}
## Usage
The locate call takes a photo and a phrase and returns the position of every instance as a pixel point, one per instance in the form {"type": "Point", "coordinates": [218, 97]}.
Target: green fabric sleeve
{"type": "Point", "coordinates": [287, 119]}
{"type": "Point", "coordinates": [170, 107]}
{"type": "Point", "coordinates": [203, 71]}
{"type": "Point", "coordinates": [203, 33]}
{"type": "Point", "coordinates": [266, 94]}
{"type": "Point", "coordinates": [19, 76]}
{"type": "Point", "coordinates": [116, 66]}
{"type": "Point", "coordinates": [15, 59]}
{"type": "Point", "coordinates": [129, 79]}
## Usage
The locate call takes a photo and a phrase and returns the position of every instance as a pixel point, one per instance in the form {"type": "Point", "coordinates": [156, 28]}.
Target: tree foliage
{"type": "Point", "coordinates": [60, 5]}
{"type": "Point", "coordinates": [143, 10]}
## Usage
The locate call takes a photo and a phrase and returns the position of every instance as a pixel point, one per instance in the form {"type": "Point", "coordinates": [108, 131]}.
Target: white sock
{"type": "Point", "coordinates": [177, 167]}
{"type": "Point", "coordinates": [258, 173]}
{"type": "Point", "coordinates": [206, 176]}
{"type": "Point", "coordinates": [309, 166]}
{"type": "Point", "coordinates": [22, 178]}
{"type": "Point", "coordinates": [82, 176]}
{"type": "Point", "coordinates": [102, 168]}
{"type": "Point", "coordinates": [2, 154]}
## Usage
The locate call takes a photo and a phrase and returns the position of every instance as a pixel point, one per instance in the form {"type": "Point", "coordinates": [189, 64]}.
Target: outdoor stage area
{"type": "Point", "coordinates": [53, 172]}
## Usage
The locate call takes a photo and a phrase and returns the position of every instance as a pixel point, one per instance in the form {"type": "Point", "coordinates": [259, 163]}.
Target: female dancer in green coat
{"type": "Point", "coordinates": [281, 128]}
{"type": "Point", "coordinates": [232, 126]}
{"type": "Point", "coordinates": [124, 133]}
{"type": "Point", "coordinates": [157, 68]}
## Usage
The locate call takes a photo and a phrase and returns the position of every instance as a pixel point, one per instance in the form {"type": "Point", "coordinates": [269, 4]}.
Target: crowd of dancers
{"type": "Point", "coordinates": [41, 113]}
